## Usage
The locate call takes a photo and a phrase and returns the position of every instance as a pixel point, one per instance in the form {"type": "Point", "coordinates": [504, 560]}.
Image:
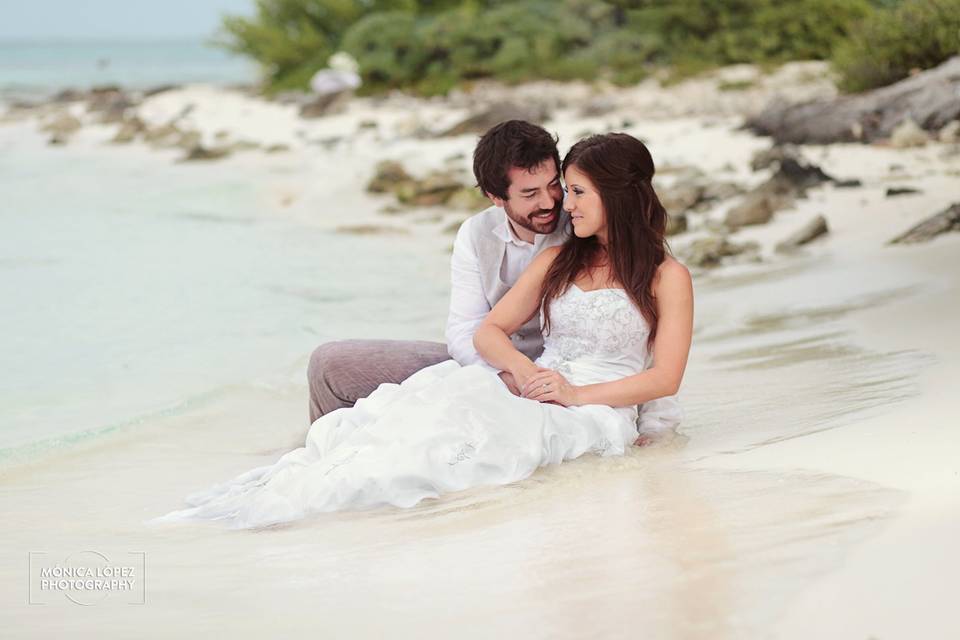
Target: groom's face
{"type": "Point", "coordinates": [535, 197]}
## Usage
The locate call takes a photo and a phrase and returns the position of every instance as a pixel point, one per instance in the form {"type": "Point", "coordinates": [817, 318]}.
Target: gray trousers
{"type": "Point", "coordinates": [342, 372]}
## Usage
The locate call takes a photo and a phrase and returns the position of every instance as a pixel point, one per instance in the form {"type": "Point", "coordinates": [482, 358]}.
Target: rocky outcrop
{"type": "Point", "coordinates": [435, 189]}
{"type": "Point", "coordinates": [928, 99]}
{"type": "Point", "coordinates": [792, 179]}
{"type": "Point", "coordinates": [495, 114]}
{"type": "Point", "coordinates": [692, 191]}
{"type": "Point", "coordinates": [943, 222]}
{"type": "Point", "coordinates": [810, 232]}
{"type": "Point", "coordinates": [388, 176]}
{"type": "Point", "coordinates": [111, 104]}
{"type": "Point", "coordinates": [129, 130]}
{"type": "Point", "coordinates": [711, 251]}
{"type": "Point", "coordinates": [198, 152]}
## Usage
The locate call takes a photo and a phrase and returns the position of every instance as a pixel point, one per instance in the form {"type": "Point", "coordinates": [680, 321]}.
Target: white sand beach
{"type": "Point", "coordinates": [812, 491]}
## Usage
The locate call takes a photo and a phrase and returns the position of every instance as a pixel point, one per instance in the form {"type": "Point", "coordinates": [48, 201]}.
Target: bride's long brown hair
{"type": "Point", "coordinates": [621, 168]}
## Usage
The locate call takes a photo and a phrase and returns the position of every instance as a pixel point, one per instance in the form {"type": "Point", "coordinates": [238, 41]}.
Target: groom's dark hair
{"type": "Point", "coordinates": [514, 143]}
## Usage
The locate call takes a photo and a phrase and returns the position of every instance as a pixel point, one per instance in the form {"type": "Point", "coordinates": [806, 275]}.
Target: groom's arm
{"type": "Point", "coordinates": [468, 304]}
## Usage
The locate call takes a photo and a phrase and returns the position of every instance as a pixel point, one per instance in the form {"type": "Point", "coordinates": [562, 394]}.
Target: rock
{"type": "Point", "coordinates": [797, 176]}
{"type": "Point", "coordinates": [435, 189]}
{"type": "Point", "coordinates": [62, 126]}
{"type": "Point", "coordinates": [764, 158]}
{"type": "Point", "coordinates": [57, 139]}
{"type": "Point", "coordinates": [129, 130]}
{"type": "Point", "coordinates": [812, 230]}
{"type": "Point", "coordinates": [190, 140]}
{"type": "Point", "coordinates": [371, 230]}
{"type": "Point", "coordinates": [900, 191]}
{"type": "Point", "coordinates": [908, 134]}
{"type": "Point", "coordinates": [244, 145]}
{"type": "Point", "coordinates": [598, 106]}
{"type": "Point", "coordinates": [676, 223]}
{"type": "Point", "coordinates": [111, 103]}
{"type": "Point", "coordinates": [710, 252]}
{"type": "Point", "coordinates": [950, 134]}
{"type": "Point", "coordinates": [792, 180]}
{"type": "Point", "coordinates": [681, 197]}
{"type": "Point", "coordinates": [946, 220]}
{"type": "Point", "coordinates": [468, 199]}
{"type": "Point", "coordinates": [495, 114]}
{"type": "Point", "coordinates": [848, 184]}
{"type": "Point", "coordinates": [717, 191]}
{"type": "Point", "coordinates": [928, 98]}
{"type": "Point", "coordinates": [326, 104]}
{"type": "Point", "coordinates": [68, 95]}
{"type": "Point", "coordinates": [756, 208]}
{"type": "Point", "coordinates": [388, 177]}
{"type": "Point", "coordinates": [165, 135]}
{"type": "Point", "coordinates": [200, 153]}
{"type": "Point", "coordinates": [162, 88]}
{"type": "Point", "coordinates": [693, 192]}
{"type": "Point", "coordinates": [278, 148]}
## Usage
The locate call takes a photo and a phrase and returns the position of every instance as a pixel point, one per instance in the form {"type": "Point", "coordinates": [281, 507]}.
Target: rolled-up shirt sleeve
{"type": "Point", "coordinates": [468, 304]}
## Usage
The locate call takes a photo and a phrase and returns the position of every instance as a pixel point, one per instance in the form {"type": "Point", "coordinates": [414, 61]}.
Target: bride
{"type": "Point", "coordinates": [617, 315]}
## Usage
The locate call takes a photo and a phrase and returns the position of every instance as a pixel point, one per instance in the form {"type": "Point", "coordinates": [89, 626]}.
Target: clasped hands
{"type": "Point", "coordinates": [542, 385]}
{"type": "Point", "coordinates": [546, 385]}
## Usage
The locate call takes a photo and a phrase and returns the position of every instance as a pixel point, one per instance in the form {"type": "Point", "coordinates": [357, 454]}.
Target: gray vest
{"type": "Point", "coordinates": [491, 258]}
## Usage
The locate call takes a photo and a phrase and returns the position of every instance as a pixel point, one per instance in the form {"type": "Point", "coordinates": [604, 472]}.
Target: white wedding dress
{"type": "Point", "coordinates": [448, 428]}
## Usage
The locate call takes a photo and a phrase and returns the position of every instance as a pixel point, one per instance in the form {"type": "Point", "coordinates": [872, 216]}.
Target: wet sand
{"type": "Point", "coordinates": [814, 480]}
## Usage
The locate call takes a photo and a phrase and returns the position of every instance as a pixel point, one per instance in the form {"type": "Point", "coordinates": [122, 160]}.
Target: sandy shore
{"type": "Point", "coordinates": [812, 492]}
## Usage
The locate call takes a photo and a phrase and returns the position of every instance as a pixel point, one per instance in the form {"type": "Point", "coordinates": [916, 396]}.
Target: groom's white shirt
{"type": "Point", "coordinates": [469, 304]}
{"type": "Point", "coordinates": [480, 272]}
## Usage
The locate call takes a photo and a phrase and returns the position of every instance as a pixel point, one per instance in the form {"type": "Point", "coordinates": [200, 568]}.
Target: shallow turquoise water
{"type": "Point", "coordinates": [132, 286]}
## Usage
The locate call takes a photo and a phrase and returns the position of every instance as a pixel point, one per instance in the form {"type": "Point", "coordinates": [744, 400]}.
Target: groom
{"type": "Point", "coordinates": [517, 166]}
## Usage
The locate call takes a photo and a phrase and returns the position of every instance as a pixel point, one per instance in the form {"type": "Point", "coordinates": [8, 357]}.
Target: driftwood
{"type": "Point", "coordinates": [931, 99]}
{"type": "Point", "coordinates": [946, 220]}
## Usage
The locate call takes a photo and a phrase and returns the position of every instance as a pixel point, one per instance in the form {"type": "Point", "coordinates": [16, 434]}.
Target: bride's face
{"type": "Point", "coordinates": [584, 205]}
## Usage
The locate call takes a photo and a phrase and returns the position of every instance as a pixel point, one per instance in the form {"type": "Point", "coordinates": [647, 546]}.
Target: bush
{"type": "Point", "coordinates": [916, 34]}
{"type": "Point", "coordinates": [387, 48]}
{"type": "Point", "coordinates": [431, 46]}
{"type": "Point", "coordinates": [717, 32]}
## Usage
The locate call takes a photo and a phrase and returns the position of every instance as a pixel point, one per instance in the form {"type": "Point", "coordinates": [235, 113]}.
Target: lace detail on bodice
{"type": "Point", "coordinates": [599, 325]}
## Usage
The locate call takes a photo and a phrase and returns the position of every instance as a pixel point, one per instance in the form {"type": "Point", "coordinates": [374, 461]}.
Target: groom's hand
{"type": "Point", "coordinates": [508, 380]}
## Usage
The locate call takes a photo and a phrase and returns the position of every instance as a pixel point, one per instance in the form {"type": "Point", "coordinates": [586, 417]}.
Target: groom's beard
{"type": "Point", "coordinates": [541, 221]}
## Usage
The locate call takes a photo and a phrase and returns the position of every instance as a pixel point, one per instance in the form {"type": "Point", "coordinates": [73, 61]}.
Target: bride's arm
{"type": "Point", "coordinates": [674, 294]}
{"type": "Point", "coordinates": [521, 302]}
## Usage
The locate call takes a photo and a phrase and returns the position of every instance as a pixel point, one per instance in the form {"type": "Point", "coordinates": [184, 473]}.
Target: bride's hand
{"type": "Point", "coordinates": [523, 374]}
{"type": "Point", "coordinates": [549, 386]}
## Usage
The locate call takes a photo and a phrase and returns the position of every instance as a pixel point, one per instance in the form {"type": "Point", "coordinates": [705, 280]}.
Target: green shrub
{"type": "Point", "coordinates": [717, 32]}
{"type": "Point", "coordinates": [431, 46]}
{"type": "Point", "coordinates": [387, 48]}
{"type": "Point", "coordinates": [916, 34]}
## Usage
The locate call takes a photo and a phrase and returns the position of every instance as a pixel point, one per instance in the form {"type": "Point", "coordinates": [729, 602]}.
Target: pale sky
{"type": "Point", "coordinates": [114, 19]}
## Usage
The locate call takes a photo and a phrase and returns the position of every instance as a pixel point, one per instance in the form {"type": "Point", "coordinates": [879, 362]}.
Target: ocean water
{"type": "Point", "coordinates": [132, 287]}
{"type": "Point", "coordinates": [33, 69]}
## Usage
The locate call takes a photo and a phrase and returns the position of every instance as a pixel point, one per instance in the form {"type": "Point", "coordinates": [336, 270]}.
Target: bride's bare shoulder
{"type": "Point", "coordinates": [672, 274]}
